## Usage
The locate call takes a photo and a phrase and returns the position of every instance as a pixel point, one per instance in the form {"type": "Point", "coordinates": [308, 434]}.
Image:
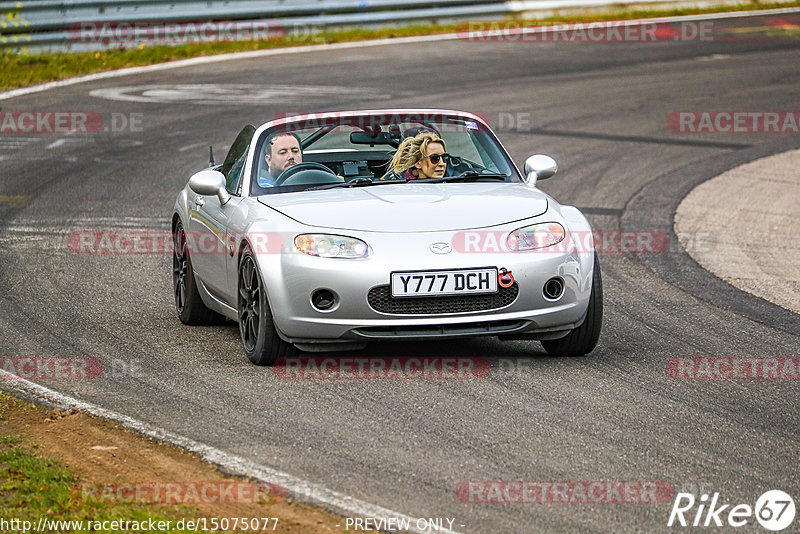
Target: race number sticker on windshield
{"type": "Point", "coordinates": [436, 283]}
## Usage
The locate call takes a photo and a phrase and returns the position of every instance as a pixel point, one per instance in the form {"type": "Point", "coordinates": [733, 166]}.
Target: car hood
{"type": "Point", "coordinates": [412, 207]}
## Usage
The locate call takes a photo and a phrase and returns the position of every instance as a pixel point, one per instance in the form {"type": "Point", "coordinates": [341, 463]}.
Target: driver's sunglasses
{"type": "Point", "coordinates": [436, 157]}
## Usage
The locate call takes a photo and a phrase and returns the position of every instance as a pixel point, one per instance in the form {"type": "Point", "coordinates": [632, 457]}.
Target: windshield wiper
{"type": "Point", "coordinates": [365, 182]}
{"type": "Point", "coordinates": [465, 177]}
{"type": "Point", "coordinates": [357, 182]}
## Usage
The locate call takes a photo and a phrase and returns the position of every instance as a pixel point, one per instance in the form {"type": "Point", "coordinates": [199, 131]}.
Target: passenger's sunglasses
{"type": "Point", "coordinates": [436, 157]}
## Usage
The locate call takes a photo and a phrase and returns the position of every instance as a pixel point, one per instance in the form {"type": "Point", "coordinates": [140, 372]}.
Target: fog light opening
{"type": "Point", "coordinates": [554, 288]}
{"type": "Point", "coordinates": [323, 299]}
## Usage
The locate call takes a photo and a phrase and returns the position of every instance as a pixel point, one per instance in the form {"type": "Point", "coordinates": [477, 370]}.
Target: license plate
{"type": "Point", "coordinates": [436, 283]}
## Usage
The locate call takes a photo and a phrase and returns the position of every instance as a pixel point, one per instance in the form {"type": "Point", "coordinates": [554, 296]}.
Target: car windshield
{"type": "Point", "coordinates": [330, 149]}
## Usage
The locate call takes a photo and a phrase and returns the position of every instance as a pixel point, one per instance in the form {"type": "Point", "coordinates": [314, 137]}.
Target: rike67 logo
{"type": "Point", "coordinates": [774, 510]}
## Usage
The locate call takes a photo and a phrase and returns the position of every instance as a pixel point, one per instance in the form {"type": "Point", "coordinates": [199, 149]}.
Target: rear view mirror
{"type": "Point", "coordinates": [374, 138]}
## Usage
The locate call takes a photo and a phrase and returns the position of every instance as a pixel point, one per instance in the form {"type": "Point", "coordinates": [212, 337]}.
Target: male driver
{"type": "Point", "coordinates": [283, 151]}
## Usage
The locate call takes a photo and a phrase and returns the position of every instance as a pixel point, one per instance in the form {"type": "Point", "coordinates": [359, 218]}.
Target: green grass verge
{"type": "Point", "coordinates": [33, 486]}
{"type": "Point", "coordinates": [21, 70]}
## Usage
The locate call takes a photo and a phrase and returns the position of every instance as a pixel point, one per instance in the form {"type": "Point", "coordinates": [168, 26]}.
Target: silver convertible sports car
{"type": "Point", "coordinates": [312, 237]}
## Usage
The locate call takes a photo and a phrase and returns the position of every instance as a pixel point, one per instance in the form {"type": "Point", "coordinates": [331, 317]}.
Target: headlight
{"type": "Point", "coordinates": [535, 236]}
{"type": "Point", "coordinates": [331, 246]}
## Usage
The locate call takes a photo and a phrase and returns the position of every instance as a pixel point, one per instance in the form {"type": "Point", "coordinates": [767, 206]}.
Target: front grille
{"type": "Point", "coordinates": [381, 300]}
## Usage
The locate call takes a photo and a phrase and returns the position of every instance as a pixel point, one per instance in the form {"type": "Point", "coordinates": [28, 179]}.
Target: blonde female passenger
{"type": "Point", "coordinates": [421, 156]}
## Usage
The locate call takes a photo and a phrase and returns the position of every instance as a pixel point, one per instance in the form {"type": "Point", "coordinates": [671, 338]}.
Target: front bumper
{"type": "Point", "coordinates": [292, 277]}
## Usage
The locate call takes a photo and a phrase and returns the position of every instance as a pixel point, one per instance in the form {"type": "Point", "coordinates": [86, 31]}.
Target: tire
{"type": "Point", "coordinates": [188, 303]}
{"type": "Point", "coordinates": [583, 340]}
{"type": "Point", "coordinates": [260, 338]}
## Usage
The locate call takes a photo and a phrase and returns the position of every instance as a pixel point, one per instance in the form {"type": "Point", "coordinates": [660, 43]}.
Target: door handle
{"type": "Point", "coordinates": [199, 200]}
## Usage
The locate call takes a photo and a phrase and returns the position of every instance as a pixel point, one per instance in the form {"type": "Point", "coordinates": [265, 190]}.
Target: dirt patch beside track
{"type": "Point", "coordinates": [110, 462]}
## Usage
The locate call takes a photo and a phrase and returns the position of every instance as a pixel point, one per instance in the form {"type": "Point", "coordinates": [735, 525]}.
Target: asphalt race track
{"type": "Point", "coordinates": [600, 109]}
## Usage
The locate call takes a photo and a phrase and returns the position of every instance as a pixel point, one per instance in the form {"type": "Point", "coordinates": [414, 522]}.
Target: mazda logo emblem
{"type": "Point", "coordinates": [441, 248]}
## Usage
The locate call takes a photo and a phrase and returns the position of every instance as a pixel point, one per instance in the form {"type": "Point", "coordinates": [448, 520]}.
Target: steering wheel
{"type": "Point", "coordinates": [458, 165]}
{"type": "Point", "coordinates": [294, 169]}
{"type": "Point", "coordinates": [391, 175]}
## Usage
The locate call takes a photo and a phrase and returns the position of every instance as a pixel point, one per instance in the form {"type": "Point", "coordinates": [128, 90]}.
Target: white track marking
{"type": "Point", "coordinates": [232, 93]}
{"type": "Point", "coordinates": [76, 224]}
{"type": "Point", "coordinates": [15, 143]}
{"type": "Point", "coordinates": [299, 489]}
{"type": "Point", "coordinates": [56, 144]}
{"type": "Point", "coordinates": [204, 60]}
{"type": "Point", "coordinates": [29, 158]}
{"type": "Point", "coordinates": [20, 141]}
{"type": "Point", "coordinates": [189, 147]}
{"type": "Point", "coordinates": [712, 57]}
